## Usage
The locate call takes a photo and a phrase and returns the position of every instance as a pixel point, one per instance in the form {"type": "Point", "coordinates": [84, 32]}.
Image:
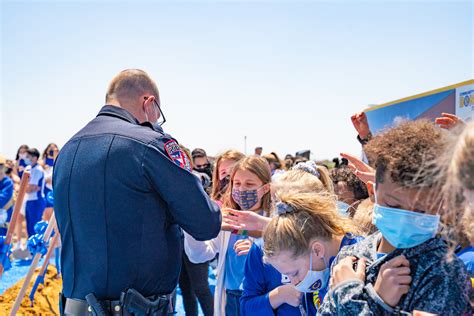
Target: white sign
{"type": "Point", "coordinates": [465, 102]}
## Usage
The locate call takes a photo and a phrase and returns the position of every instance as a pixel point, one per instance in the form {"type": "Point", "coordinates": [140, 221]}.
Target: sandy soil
{"type": "Point", "coordinates": [46, 297]}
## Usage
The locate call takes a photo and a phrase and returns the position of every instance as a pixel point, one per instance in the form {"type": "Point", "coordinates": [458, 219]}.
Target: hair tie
{"type": "Point", "coordinates": [309, 167]}
{"type": "Point", "coordinates": [283, 208]}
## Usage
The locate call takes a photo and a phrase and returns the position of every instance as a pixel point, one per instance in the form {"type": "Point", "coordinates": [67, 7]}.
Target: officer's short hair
{"type": "Point", "coordinates": [131, 84]}
{"type": "Point", "coordinates": [33, 152]}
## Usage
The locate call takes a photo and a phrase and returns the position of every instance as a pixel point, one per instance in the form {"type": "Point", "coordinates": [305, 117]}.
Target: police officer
{"type": "Point", "coordinates": [123, 188]}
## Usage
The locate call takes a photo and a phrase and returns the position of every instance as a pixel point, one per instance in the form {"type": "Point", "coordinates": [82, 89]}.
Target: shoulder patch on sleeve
{"type": "Point", "coordinates": [177, 154]}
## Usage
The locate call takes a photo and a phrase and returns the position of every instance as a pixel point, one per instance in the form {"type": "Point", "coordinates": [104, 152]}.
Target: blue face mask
{"type": "Point", "coordinates": [343, 208]}
{"type": "Point", "coordinates": [245, 199]}
{"type": "Point", "coordinates": [404, 229]}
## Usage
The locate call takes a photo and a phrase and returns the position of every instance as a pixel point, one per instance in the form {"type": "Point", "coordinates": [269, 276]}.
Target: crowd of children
{"type": "Point", "coordinates": [36, 206]}
{"type": "Point", "coordinates": [390, 233]}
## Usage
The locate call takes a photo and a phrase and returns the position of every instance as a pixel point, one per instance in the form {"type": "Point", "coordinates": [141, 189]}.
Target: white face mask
{"type": "Point", "coordinates": [314, 280]}
{"type": "Point", "coordinates": [22, 156]}
{"type": "Point", "coordinates": [3, 216]}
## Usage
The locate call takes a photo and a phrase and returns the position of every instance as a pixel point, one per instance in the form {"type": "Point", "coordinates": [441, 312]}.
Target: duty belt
{"type": "Point", "coordinates": [131, 303]}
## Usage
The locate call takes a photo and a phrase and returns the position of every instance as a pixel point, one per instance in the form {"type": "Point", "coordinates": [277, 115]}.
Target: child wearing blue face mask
{"type": "Point", "coordinates": [349, 189]}
{"type": "Point", "coordinates": [249, 189]}
{"type": "Point", "coordinates": [404, 267]}
{"type": "Point", "coordinates": [20, 160]}
{"type": "Point", "coordinates": [35, 199]}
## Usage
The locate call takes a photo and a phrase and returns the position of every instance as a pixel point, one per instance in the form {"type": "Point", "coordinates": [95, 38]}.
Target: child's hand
{"type": "Point", "coordinates": [420, 313]}
{"type": "Point", "coordinates": [242, 246]}
{"type": "Point", "coordinates": [344, 271]}
{"type": "Point", "coordinates": [393, 280]}
{"type": "Point", "coordinates": [245, 220]}
{"type": "Point", "coordinates": [285, 294]}
{"type": "Point", "coordinates": [227, 224]}
{"type": "Point", "coordinates": [448, 121]}
{"type": "Point", "coordinates": [362, 170]}
{"type": "Point", "coordinates": [359, 120]}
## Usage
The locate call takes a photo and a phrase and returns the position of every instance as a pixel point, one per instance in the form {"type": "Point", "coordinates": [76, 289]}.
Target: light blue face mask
{"type": "Point", "coordinates": [343, 208]}
{"type": "Point", "coordinates": [404, 229]}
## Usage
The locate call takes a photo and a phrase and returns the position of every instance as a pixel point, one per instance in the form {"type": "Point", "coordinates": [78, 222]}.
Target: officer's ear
{"type": "Point", "coordinates": [148, 103]}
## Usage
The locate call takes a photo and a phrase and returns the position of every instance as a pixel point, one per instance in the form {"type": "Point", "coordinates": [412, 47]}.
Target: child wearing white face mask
{"type": "Point", "coordinates": [403, 268]}
{"type": "Point", "coordinates": [249, 189]}
{"type": "Point", "coordinates": [301, 242]}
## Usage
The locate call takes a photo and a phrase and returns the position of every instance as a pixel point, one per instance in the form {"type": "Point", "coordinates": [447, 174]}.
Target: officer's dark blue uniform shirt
{"type": "Point", "coordinates": [121, 193]}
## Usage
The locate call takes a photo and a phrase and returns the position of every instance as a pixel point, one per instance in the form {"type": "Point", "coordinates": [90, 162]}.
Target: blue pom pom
{"type": "Point", "coordinates": [40, 227]}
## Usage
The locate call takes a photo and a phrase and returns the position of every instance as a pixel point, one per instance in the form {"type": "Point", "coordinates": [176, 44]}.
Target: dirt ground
{"type": "Point", "coordinates": [46, 297]}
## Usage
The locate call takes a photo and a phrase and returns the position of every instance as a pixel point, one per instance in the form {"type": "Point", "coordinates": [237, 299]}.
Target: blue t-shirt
{"type": "Point", "coordinates": [234, 265]}
{"type": "Point", "coordinates": [467, 256]}
{"type": "Point", "coordinates": [21, 167]}
{"type": "Point", "coordinates": [49, 161]}
{"type": "Point", "coordinates": [6, 194]}
{"type": "Point", "coordinates": [261, 278]}
{"type": "Point", "coordinates": [6, 191]}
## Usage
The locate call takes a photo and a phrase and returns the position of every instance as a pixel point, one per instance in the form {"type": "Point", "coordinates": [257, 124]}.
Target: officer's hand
{"type": "Point", "coordinates": [344, 271]}
{"type": "Point", "coordinates": [393, 280]}
{"type": "Point", "coordinates": [242, 246]}
{"type": "Point", "coordinates": [285, 294]}
{"type": "Point", "coordinates": [245, 220]}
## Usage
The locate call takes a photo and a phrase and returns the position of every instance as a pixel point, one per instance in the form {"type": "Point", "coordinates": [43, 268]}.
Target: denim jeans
{"type": "Point", "coordinates": [232, 306]}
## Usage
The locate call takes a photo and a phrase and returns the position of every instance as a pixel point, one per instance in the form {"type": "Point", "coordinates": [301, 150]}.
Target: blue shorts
{"type": "Point", "coordinates": [33, 214]}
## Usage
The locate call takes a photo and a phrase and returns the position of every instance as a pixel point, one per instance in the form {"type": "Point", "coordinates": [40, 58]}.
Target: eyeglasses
{"type": "Point", "coordinates": [162, 119]}
{"type": "Point", "coordinates": [206, 165]}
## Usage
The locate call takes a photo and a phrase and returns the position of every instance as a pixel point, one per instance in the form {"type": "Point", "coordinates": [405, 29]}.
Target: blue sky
{"type": "Point", "coordinates": [286, 74]}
